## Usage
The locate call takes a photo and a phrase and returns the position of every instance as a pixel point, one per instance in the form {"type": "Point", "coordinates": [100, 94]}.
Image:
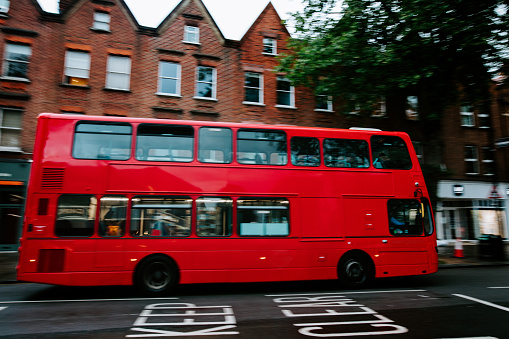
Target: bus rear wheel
{"type": "Point", "coordinates": [156, 275]}
{"type": "Point", "coordinates": [355, 270]}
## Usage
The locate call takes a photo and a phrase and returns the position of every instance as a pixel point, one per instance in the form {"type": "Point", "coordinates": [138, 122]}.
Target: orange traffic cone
{"type": "Point", "coordinates": [458, 249]}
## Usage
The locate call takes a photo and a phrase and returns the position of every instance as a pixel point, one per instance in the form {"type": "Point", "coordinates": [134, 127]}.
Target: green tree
{"type": "Point", "coordinates": [371, 49]}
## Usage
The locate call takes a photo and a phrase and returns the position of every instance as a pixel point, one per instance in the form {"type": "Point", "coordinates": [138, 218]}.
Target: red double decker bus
{"type": "Point", "coordinates": [154, 203]}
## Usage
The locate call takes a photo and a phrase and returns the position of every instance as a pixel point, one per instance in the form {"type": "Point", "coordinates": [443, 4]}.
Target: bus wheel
{"type": "Point", "coordinates": [157, 275]}
{"type": "Point", "coordinates": [355, 270]}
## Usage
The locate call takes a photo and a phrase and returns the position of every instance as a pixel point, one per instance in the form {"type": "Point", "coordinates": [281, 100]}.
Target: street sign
{"type": "Point", "coordinates": [494, 193]}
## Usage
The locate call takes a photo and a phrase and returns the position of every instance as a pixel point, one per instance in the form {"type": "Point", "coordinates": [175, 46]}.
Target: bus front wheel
{"type": "Point", "coordinates": [355, 270]}
{"type": "Point", "coordinates": [156, 275]}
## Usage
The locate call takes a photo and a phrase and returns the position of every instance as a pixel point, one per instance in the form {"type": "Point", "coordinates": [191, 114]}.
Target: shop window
{"type": "Point", "coordinates": [75, 215]}
{"type": "Point", "coordinates": [405, 217]}
{"type": "Point", "coordinates": [160, 142]}
{"type": "Point", "coordinates": [10, 129]}
{"type": "Point", "coordinates": [16, 60]}
{"type": "Point", "coordinates": [263, 217]}
{"type": "Point", "coordinates": [102, 141]}
{"type": "Point", "coordinates": [77, 68]}
{"type": "Point", "coordinates": [346, 153]}
{"type": "Point", "coordinates": [261, 147]}
{"type": "Point", "coordinates": [118, 72]}
{"type": "Point", "coordinates": [157, 216]}
{"type": "Point", "coordinates": [305, 151]}
{"type": "Point", "coordinates": [112, 215]}
{"type": "Point", "coordinates": [390, 152]}
{"type": "Point", "coordinates": [214, 216]}
{"type": "Point", "coordinates": [215, 145]}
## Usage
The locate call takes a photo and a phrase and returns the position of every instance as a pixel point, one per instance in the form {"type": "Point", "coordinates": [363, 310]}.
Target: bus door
{"type": "Point", "coordinates": [109, 248]}
{"type": "Point", "coordinates": [408, 244]}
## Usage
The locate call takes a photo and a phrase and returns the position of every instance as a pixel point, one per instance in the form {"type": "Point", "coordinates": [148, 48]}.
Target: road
{"type": "Point", "coordinates": [453, 303]}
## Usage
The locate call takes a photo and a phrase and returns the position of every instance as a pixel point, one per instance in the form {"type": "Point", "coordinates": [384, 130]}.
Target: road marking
{"type": "Point", "coordinates": [472, 338]}
{"type": "Point", "coordinates": [3, 308]}
{"type": "Point", "coordinates": [499, 287]}
{"type": "Point", "coordinates": [487, 303]}
{"type": "Point", "coordinates": [342, 293]}
{"type": "Point", "coordinates": [79, 300]}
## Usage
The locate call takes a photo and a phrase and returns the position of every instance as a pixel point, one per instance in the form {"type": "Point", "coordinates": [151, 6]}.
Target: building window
{"type": "Point", "coordinates": [269, 46]}
{"type": "Point", "coordinates": [488, 161]}
{"type": "Point", "coordinates": [118, 73]}
{"type": "Point", "coordinates": [285, 93]}
{"type": "Point", "coordinates": [323, 103]}
{"type": "Point", "coordinates": [253, 86]}
{"type": "Point", "coordinates": [467, 116]}
{"type": "Point", "coordinates": [206, 83]}
{"type": "Point", "coordinates": [484, 120]}
{"type": "Point", "coordinates": [412, 107]}
{"type": "Point", "coordinates": [10, 129]}
{"type": "Point", "coordinates": [17, 58]}
{"type": "Point", "coordinates": [192, 34]}
{"type": "Point", "coordinates": [169, 78]}
{"type": "Point", "coordinates": [77, 68]}
{"type": "Point", "coordinates": [4, 6]}
{"type": "Point", "coordinates": [471, 160]}
{"type": "Point", "coordinates": [101, 21]}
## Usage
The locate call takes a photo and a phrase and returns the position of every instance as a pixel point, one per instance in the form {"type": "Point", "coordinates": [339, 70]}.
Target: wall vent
{"type": "Point", "coordinates": [52, 178]}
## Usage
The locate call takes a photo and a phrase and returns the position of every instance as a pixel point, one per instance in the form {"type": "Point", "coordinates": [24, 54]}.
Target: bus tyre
{"type": "Point", "coordinates": [156, 275]}
{"type": "Point", "coordinates": [355, 270]}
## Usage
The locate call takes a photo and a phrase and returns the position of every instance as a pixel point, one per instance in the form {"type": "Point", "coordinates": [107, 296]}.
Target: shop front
{"type": "Point", "coordinates": [13, 183]}
{"type": "Point", "coordinates": [469, 210]}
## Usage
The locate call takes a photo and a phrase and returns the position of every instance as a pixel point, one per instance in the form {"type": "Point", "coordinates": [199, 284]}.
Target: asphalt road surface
{"type": "Point", "coordinates": [453, 303]}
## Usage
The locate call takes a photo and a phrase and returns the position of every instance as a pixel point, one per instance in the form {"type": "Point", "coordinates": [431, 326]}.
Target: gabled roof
{"type": "Point", "coordinates": [180, 10]}
{"type": "Point", "coordinates": [267, 8]}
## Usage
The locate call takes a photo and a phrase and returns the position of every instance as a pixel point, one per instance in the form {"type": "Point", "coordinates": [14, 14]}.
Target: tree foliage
{"type": "Point", "coordinates": [372, 48]}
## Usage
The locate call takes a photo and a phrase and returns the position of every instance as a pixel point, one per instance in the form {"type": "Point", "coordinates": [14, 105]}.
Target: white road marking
{"type": "Point", "coordinates": [487, 303]}
{"type": "Point", "coordinates": [79, 300]}
{"type": "Point", "coordinates": [499, 287]}
{"type": "Point", "coordinates": [343, 293]}
{"type": "Point", "coordinates": [3, 308]}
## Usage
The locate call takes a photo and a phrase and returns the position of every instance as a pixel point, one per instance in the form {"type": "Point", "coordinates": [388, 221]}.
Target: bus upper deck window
{"type": "Point", "coordinates": [215, 145]}
{"type": "Point", "coordinates": [161, 142]}
{"type": "Point", "coordinates": [346, 153]}
{"type": "Point", "coordinates": [305, 151]}
{"type": "Point", "coordinates": [390, 152]}
{"type": "Point", "coordinates": [261, 147]}
{"type": "Point", "coordinates": [98, 140]}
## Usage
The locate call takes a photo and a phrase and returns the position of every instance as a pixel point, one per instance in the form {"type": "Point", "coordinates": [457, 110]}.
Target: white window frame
{"type": "Point", "coordinates": [481, 117]}
{"type": "Point", "coordinates": [260, 89]}
{"type": "Point", "coordinates": [112, 72]}
{"type": "Point", "coordinates": [5, 128]}
{"type": "Point", "coordinates": [77, 65]}
{"type": "Point", "coordinates": [488, 162]}
{"type": "Point", "coordinates": [213, 83]}
{"type": "Point", "coordinates": [291, 93]}
{"type": "Point", "coordinates": [162, 77]}
{"type": "Point", "coordinates": [467, 115]}
{"type": "Point", "coordinates": [102, 21]}
{"type": "Point", "coordinates": [474, 160]}
{"type": "Point", "coordinates": [270, 43]}
{"type": "Point", "coordinates": [4, 6]}
{"type": "Point", "coordinates": [191, 34]}
{"type": "Point", "coordinates": [7, 60]}
{"type": "Point", "coordinates": [328, 99]}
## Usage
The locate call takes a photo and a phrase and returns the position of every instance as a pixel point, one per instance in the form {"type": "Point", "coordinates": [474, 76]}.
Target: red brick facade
{"type": "Point", "coordinates": [50, 36]}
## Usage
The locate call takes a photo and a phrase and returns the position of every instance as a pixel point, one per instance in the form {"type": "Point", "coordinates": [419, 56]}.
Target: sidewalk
{"type": "Point", "coordinates": [9, 260]}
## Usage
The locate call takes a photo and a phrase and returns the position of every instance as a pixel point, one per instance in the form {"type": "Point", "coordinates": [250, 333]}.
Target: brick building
{"type": "Point", "coordinates": [94, 58]}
